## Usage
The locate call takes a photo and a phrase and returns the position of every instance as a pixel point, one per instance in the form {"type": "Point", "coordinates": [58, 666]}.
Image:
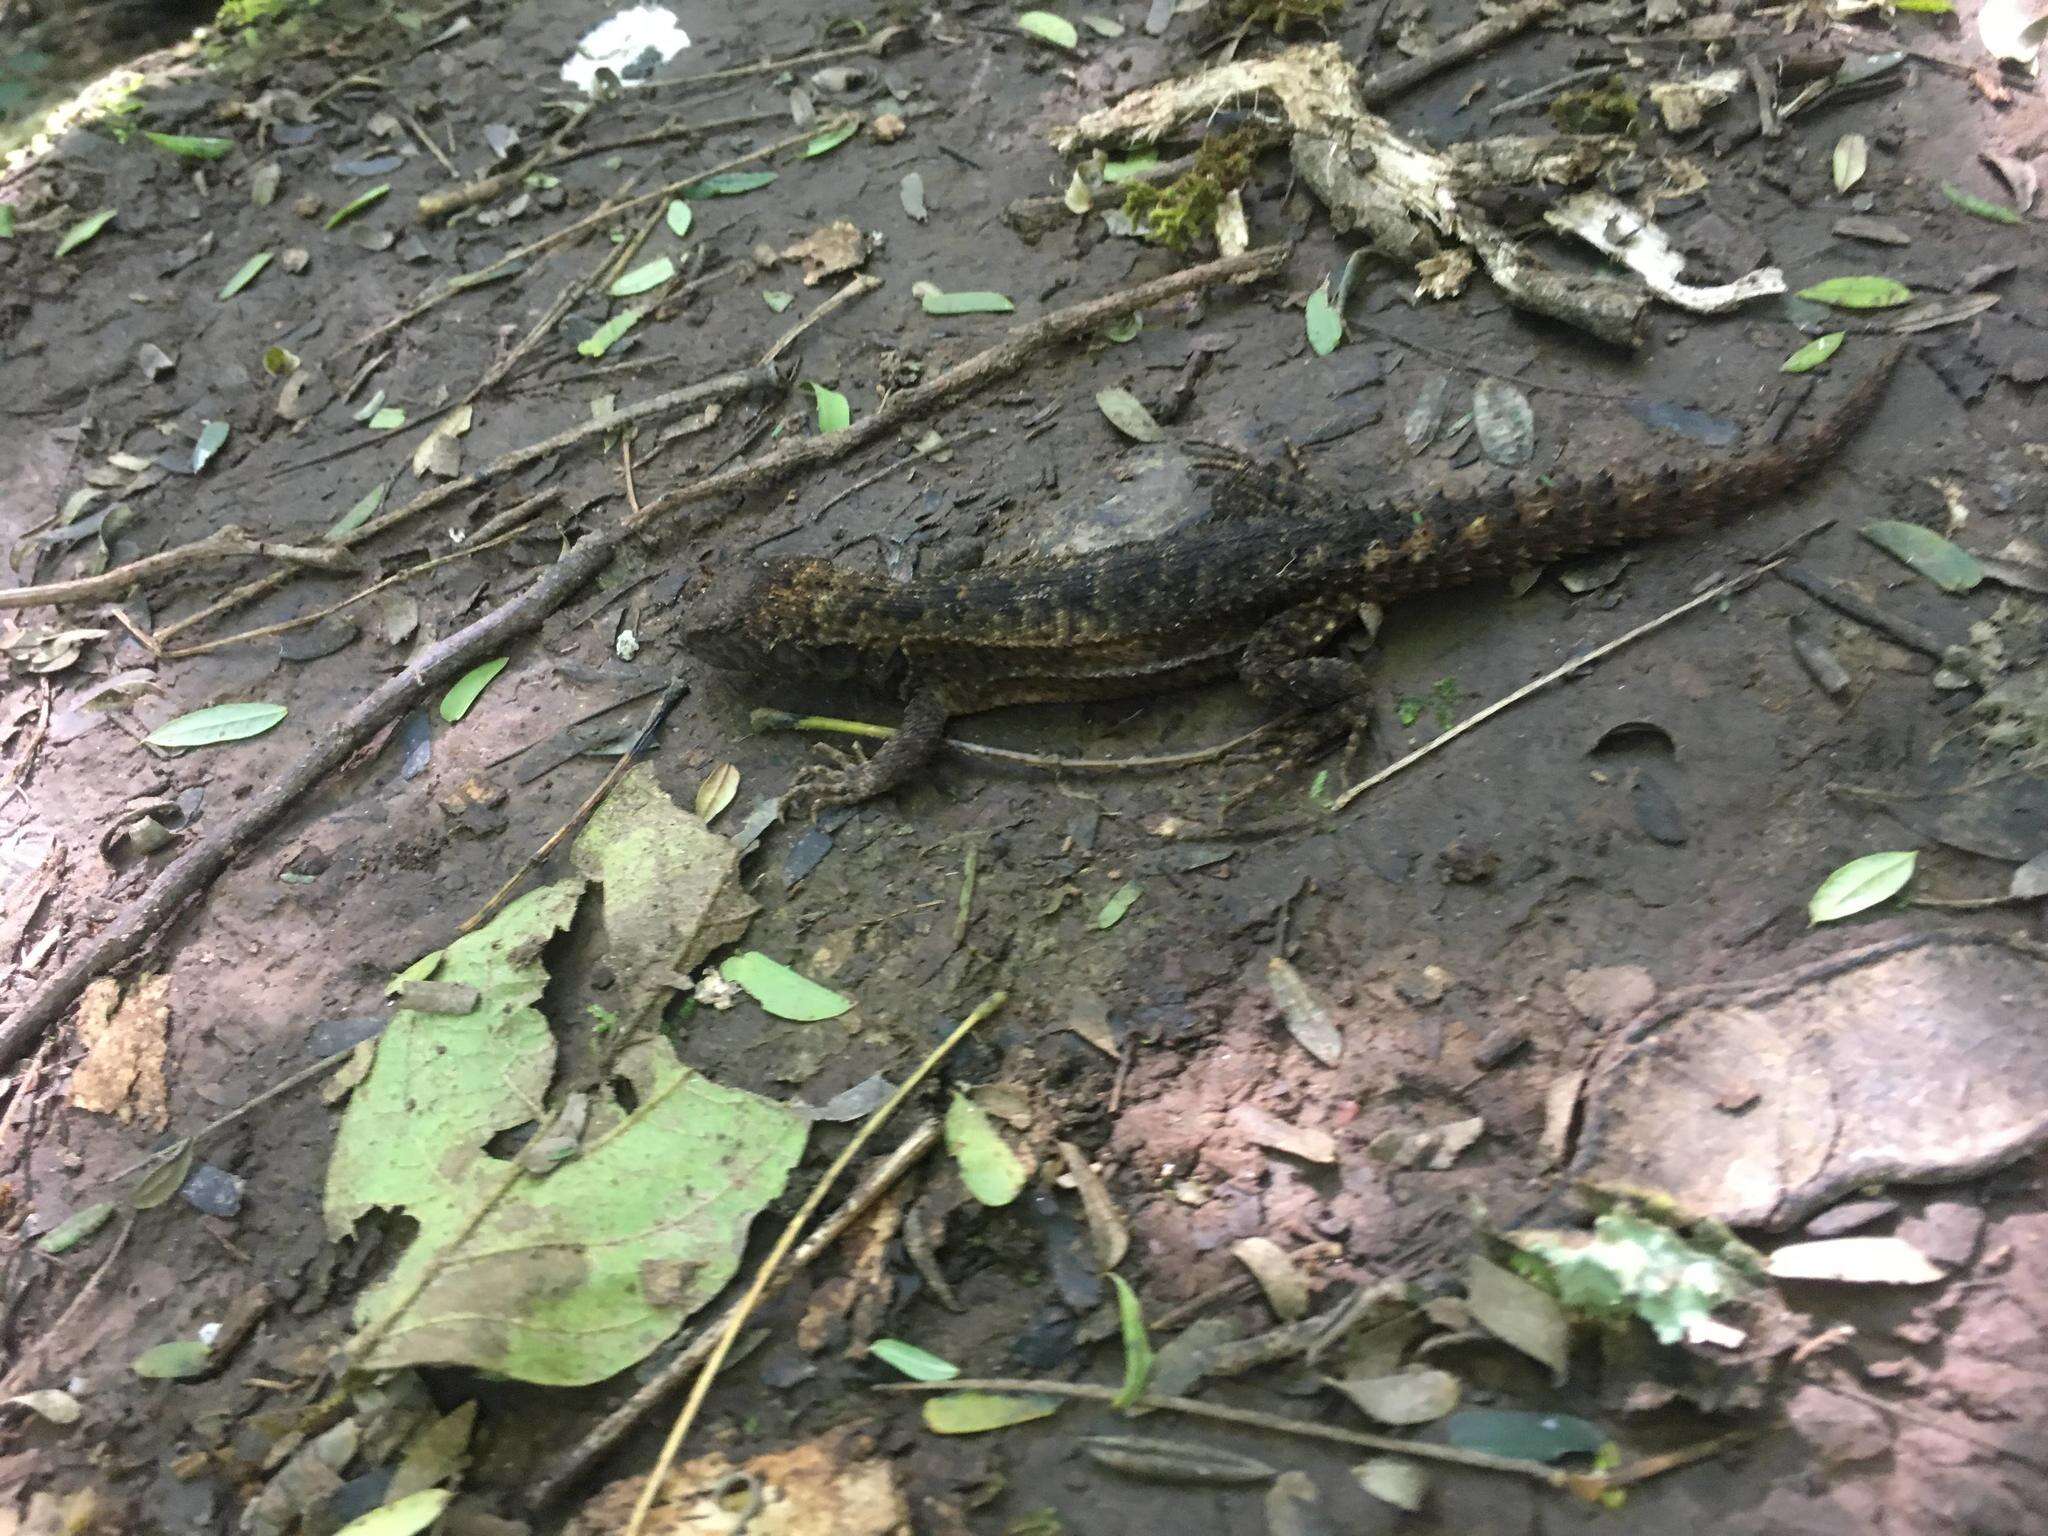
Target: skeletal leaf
{"type": "Point", "coordinates": [222, 722]}
{"type": "Point", "coordinates": [83, 230]}
{"type": "Point", "coordinates": [1813, 354]}
{"type": "Point", "coordinates": [917, 1364]}
{"type": "Point", "coordinates": [1948, 566]}
{"type": "Point", "coordinates": [1506, 425]}
{"type": "Point", "coordinates": [992, 1171]}
{"type": "Point", "coordinates": [911, 193]}
{"type": "Point", "coordinates": [974, 1413]}
{"type": "Point", "coordinates": [245, 274]}
{"type": "Point", "coordinates": [356, 205]}
{"type": "Point", "coordinates": [717, 790]}
{"type": "Point", "coordinates": [1859, 293]}
{"type": "Point", "coordinates": [1860, 885]}
{"type": "Point", "coordinates": [1852, 158]}
{"type": "Point", "coordinates": [1325, 325]}
{"type": "Point", "coordinates": [1048, 28]}
{"type": "Point", "coordinates": [1128, 415]}
{"type": "Point", "coordinates": [649, 274]}
{"type": "Point", "coordinates": [1138, 1356]}
{"type": "Point", "coordinates": [834, 414]}
{"type": "Point", "coordinates": [456, 702]}
{"type": "Point", "coordinates": [780, 990]}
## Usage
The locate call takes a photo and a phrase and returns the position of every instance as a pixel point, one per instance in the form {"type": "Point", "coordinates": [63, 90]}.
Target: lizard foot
{"type": "Point", "coordinates": [1306, 737]}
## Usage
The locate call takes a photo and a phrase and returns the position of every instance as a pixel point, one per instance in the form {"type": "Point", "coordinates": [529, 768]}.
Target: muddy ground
{"type": "Point", "coordinates": [1487, 893]}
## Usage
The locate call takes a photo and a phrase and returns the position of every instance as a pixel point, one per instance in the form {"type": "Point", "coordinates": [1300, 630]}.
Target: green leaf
{"type": "Point", "coordinates": [1813, 354]}
{"type": "Point", "coordinates": [1927, 7]}
{"type": "Point", "coordinates": [993, 1173]}
{"type": "Point", "coordinates": [456, 701]}
{"type": "Point", "coordinates": [402, 1517]}
{"type": "Point", "coordinates": [781, 991]}
{"type": "Point", "coordinates": [1114, 171]}
{"type": "Point", "coordinates": [1120, 901]}
{"type": "Point", "coordinates": [84, 230]}
{"type": "Point", "coordinates": [1126, 329]}
{"type": "Point", "coordinates": [1130, 1316]}
{"type": "Point", "coordinates": [649, 274]}
{"type": "Point", "coordinates": [600, 340]}
{"type": "Point", "coordinates": [571, 1274]}
{"type": "Point", "coordinates": [680, 215]}
{"type": "Point", "coordinates": [1950, 568]}
{"type": "Point", "coordinates": [76, 1228]}
{"type": "Point", "coordinates": [834, 414]}
{"type": "Point", "coordinates": [245, 274]}
{"type": "Point", "coordinates": [164, 1180]}
{"type": "Point", "coordinates": [1859, 293]}
{"type": "Point", "coordinates": [6, 221]}
{"type": "Point", "coordinates": [189, 146]}
{"type": "Point", "coordinates": [212, 434]}
{"type": "Point", "coordinates": [179, 1360]}
{"type": "Point", "coordinates": [1325, 325]}
{"type": "Point", "coordinates": [832, 138]}
{"type": "Point", "coordinates": [356, 515]}
{"type": "Point", "coordinates": [211, 727]}
{"type": "Point", "coordinates": [387, 419]}
{"type": "Point", "coordinates": [917, 1364]}
{"type": "Point", "coordinates": [1048, 28]}
{"type": "Point", "coordinates": [730, 183]}
{"type": "Point", "coordinates": [776, 299]}
{"type": "Point", "coordinates": [1860, 885]}
{"type": "Point", "coordinates": [936, 303]}
{"type": "Point", "coordinates": [1982, 207]}
{"type": "Point", "coordinates": [974, 1413]}
{"type": "Point", "coordinates": [1630, 1265]}
{"type": "Point", "coordinates": [354, 206]}
{"type": "Point", "coordinates": [1127, 415]}
{"type": "Point", "coordinates": [277, 360]}
{"type": "Point", "coordinates": [1524, 1436]}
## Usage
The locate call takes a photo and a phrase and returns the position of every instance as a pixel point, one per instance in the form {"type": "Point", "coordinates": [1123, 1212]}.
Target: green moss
{"type": "Point", "coordinates": [1184, 209]}
{"type": "Point", "coordinates": [1610, 107]}
{"type": "Point", "coordinates": [1279, 16]}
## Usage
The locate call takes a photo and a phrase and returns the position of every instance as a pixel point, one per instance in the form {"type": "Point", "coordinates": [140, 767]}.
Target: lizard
{"type": "Point", "coordinates": [1262, 588]}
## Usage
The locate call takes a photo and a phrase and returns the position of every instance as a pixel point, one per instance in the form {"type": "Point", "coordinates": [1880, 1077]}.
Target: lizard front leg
{"type": "Point", "coordinates": [858, 779]}
{"type": "Point", "coordinates": [1284, 663]}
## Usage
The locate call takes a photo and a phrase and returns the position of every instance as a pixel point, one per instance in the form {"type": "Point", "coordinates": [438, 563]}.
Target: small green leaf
{"type": "Point", "coordinates": [680, 215]}
{"type": "Point", "coordinates": [455, 703]}
{"type": "Point", "coordinates": [1927, 7]}
{"type": "Point", "coordinates": [1861, 884]}
{"type": "Point", "coordinates": [974, 1413]}
{"type": "Point", "coordinates": [1048, 28]}
{"type": "Point", "coordinates": [1120, 901]}
{"type": "Point", "coordinates": [164, 1180]}
{"type": "Point", "coordinates": [1126, 329]}
{"type": "Point", "coordinates": [650, 274]}
{"type": "Point", "coordinates": [1813, 354]}
{"type": "Point", "coordinates": [992, 1171]}
{"type": "Point", "coordinates": [1950, 568]}
{"type": "Point", "coordinates": [277, 361]}
{"type": "Point", "coordinates": [192, 148]}
{"type": "Point", "coordinates": [1114, 171]}
{"type": "Point", "coordinates": [730, 183]}
{"type": "Point", "coordinates": [6, 221]}
{"type": "Point", "coordinates": [76, 1228]}
{"type": "Point", "coordinates": [222, 722]}
{"type": "Point", "coordinates": [776, 299]}
{"type": "Point", "coordinates": [781, 991]}
{"type": "Point", "coordinates": [84, 230]}
{"type": "Point", "coordinates": [387, 419]}
{"type": "Point", "coordinates": [1983, 208]}
{"type": "Point", "coordinates": [834, 414]}
{"type": "Point", "coordinates": [1525, 1436]}
{"type": "Point", "coordinates": [936, 303]}
{"type": "Point", "coordinates": [1325, 325]}
{"type": "Point", "coordinates": [1859, 293]}
{"type": "Point", "coordinates": [600, 341]}
{"type": "Point", "coordinates": [356, 515]}
{"type": "Point", "coordinates": [1128, 415]}
{"type": "Point", "coordinates": [402, 1517]}
{"type": "Point", "coordinates": [917, 1364]}
{"type": "Point", "coordinates": [831, 139]}
{"type": "Point", "coordinates": [179, 1360]}
{"type": "Point", "coordinates": [1137, 1347]}
{"type": "Point", "coordinates": [354, 206]}
{"type": "Point", "coordinates": [245, 274]}
{"type": "Point", "coordinates": [211, 435]}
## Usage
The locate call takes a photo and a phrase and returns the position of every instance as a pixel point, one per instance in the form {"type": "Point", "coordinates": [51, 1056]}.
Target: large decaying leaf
{"type": "Point", "coordinates": [542, 1278]}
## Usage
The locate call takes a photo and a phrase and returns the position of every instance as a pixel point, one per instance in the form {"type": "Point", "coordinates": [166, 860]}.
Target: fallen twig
{"type": "Point", "coordinates": [782, 720]}
{"type": "Point", "coordinates": [1384, 85]}
{"type": "Point", "coordinates": [855, 287]}
{"type": "Point", "coordinates": [1558, 674]}
{"type": "Point", "coordinates": [1842, 600]}
{"type": "Point", "coordinates": [675, 1372]}
{"type": "Point", "coordinates": [882, 42]}
{"type": "Point", "coordinates": [737, 1318]}
{"type": "Point", "coordinates": [229, 543]}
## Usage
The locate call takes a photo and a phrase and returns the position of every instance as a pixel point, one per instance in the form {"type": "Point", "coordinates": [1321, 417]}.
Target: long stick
{"type": "Point", "coordinates": [737, 1319]}
{"type": "Point", "coordinates": [1386, 84]}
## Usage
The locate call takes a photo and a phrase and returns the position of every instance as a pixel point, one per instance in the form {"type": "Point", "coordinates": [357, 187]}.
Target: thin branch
{"type": "Point", "coordinates": [1384, 85]}
{"type": "Point", "coordinates": [783, 720]}
{"type": "Point", "coordinates": [881, 43]}
{"type": "Point", "coordinates": [229, 543]}
{"type": "Point", "coordinates": [854, 289]}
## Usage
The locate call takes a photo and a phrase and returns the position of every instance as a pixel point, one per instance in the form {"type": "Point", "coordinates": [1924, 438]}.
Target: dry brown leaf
{"type": "Point", "coordinates": [827, 251]}
{"type": "Point", "coordinates": [1304, 1142]}
{"type": "Point", "coordinates": [1286, 1287]}
{"type": "Point", "coordinates": [1106, 1231]}
{"type": "Point", "coordinates": [832, 1486]}
{"type": "Point", "coordinates": [126, 1040]}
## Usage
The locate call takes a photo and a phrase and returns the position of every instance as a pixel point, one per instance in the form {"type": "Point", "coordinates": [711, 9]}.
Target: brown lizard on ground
{"type": "Point", "coordinates": [1260, 589]}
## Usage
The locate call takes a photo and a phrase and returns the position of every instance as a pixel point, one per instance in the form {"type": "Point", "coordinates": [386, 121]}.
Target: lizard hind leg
{"type": "Point", "coordinates": [852, 779]}
{"type": "Point", "coordinates": [1285, 663]}
{"type": "Point", "coordinates": [1249, 487]}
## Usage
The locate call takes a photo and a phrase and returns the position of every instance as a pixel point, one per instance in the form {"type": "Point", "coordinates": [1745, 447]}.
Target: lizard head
{"type": "Point", "coordinates": [768, 619]}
